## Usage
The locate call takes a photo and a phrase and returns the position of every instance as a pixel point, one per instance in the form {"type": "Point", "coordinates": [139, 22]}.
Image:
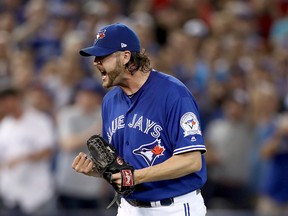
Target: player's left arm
{"type": "Point", "coordinates": [187, 155]}
{"type": "Point", "coordinates": [183, 162]}
{"type": "Point", "coordinates": [177, 166]}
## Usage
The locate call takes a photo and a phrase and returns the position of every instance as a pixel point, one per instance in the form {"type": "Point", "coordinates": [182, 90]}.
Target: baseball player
{"type": "Point", "coordinates": [152, 120]}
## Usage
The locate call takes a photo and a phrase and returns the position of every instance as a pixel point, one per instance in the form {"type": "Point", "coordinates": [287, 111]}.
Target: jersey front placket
{"type": "Point", "coordinates": [128, 145]}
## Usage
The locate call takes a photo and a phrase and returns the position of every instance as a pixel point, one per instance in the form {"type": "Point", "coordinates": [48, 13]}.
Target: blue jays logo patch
{"type": "Point", "coordinates": [100, 35]}
{"type": "Point", "coordinates": [150, 152]}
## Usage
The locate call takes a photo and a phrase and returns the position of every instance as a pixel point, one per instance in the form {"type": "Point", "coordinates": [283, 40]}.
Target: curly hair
{"type": "Point", "coordinates": [138, 61]}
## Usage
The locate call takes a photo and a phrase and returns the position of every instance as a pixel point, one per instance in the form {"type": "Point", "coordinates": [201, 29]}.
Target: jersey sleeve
{"type": "Point", "coordinates": [184, 126]}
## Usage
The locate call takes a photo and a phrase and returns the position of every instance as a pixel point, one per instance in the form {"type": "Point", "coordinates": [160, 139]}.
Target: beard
{"type": "Point", "coordinates": [114, 76]}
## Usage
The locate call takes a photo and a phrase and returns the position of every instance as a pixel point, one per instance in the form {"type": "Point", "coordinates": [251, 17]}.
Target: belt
{"type": "Point", "coordinates": [163, 202]}
{"type": "Point", "coordinates": [147, 204]}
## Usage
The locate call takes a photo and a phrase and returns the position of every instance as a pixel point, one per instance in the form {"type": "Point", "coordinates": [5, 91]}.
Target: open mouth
{"type": "Point", "coordinates": [103, 74]}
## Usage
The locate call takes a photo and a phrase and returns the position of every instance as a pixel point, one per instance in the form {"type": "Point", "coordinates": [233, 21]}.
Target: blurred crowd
{"type": "Point", "coordinates": [231, 54]}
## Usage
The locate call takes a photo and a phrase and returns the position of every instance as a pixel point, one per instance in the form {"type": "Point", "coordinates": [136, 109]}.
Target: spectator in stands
{"type": "Point", "coordinates": [229, 140]}
{"type": "Point", "coordinates": [76, 123]}
{"type": "Point", "coordinates": [273, 198]}
{"type": "Point", "coordinates": [269, 152]}
{"type": "Point", "coordinates": [26, 146]}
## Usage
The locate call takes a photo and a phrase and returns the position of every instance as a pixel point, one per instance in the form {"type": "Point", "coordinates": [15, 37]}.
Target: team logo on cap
{"type": "Point", "coordinates": [190, 124]}
{"type": "Point", "coordinates": [100, 35]}
{"type": "Point", "coordinates": [150, 152]}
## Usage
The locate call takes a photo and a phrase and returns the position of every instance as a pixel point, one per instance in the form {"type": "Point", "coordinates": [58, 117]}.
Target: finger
{"type": "Point", "coordinates": [91, 165]}
{"type": "Point", "coordinates": [118, 182]}
{"type": "Point", "coordinates": [83, 158]}
{"type": "Point", "coordinates": [80, 165]}
{"type": "Point", "coordinates": [86, 167]}
{"type": "Point", "coordinates": [76, 161]}
{"type": "Point", "coordinates": [116, 176]}
{"type": "Point", "coordinates": [92, 170]}
{"type": "Point", "coordinates": [111, 179]}
{"type": "Point", "coordinates": [83, 155]}
{"type": "Point", "coordinates": [116, 179]}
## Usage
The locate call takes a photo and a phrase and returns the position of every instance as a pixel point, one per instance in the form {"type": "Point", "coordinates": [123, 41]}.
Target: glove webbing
{"type": "Point", "coordinates": [103, 155]}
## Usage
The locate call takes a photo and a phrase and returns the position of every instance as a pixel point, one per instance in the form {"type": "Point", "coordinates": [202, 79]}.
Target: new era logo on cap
{"type": "Point", "coordinates": [110, 37]}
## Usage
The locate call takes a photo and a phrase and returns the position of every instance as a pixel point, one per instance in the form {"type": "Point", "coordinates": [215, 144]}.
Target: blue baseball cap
{"type": "Point", "coordinates": [113, 38]}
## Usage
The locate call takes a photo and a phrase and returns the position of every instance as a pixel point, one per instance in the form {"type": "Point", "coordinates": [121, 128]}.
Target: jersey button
{"type": "Point", "coordinates": [127, 143]}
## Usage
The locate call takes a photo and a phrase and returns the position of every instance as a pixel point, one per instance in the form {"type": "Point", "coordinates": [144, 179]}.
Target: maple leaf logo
{"type": "Point", "coordinates": [158, 150]}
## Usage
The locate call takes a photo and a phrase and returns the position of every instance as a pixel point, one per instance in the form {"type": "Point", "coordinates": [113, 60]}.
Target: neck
{"type": "Point", "coordinates": [134, 82]}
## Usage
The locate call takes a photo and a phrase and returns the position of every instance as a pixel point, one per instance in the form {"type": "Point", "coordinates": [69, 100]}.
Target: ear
{"type": "Point", "coordinates": [126, 57]}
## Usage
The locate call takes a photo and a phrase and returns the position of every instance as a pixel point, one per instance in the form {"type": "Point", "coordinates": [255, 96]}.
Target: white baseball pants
{"type": "Point", "coordinates": [191, 204]}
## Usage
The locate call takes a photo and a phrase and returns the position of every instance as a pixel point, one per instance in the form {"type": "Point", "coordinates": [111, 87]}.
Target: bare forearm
{"type": "Point", "coordinates": [271, 146]}
{"type": "Point", "coordinates": [37, 156]}
{"type": "Point", "coordinates": [77, 140]}
{"type": "Point", "coordinates": [73, 142]}
{"type": "Point", "coordinates": [44, 154]}
{"type": "Point", "coordinates": [175, 167]}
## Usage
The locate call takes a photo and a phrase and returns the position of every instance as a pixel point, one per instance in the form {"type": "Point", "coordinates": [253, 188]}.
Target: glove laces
{"type": "Point", "coordinates": [115, 199]}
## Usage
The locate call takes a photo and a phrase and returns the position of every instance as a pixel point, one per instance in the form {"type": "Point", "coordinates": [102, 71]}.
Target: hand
{"type": "Point", "coordinates": [116, 179]}
{"type": "Point", "coordinates": [83, 164]}
{"type": "Point", "coordinates": [283, 125]}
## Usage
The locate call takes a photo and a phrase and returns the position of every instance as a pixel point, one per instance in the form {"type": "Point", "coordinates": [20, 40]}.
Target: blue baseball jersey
{"type": "Point", "coordinates": [159, 121]}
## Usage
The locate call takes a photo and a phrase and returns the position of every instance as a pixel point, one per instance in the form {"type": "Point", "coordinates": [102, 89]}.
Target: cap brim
{"type": "Point", "coordinates": [96, 51]}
